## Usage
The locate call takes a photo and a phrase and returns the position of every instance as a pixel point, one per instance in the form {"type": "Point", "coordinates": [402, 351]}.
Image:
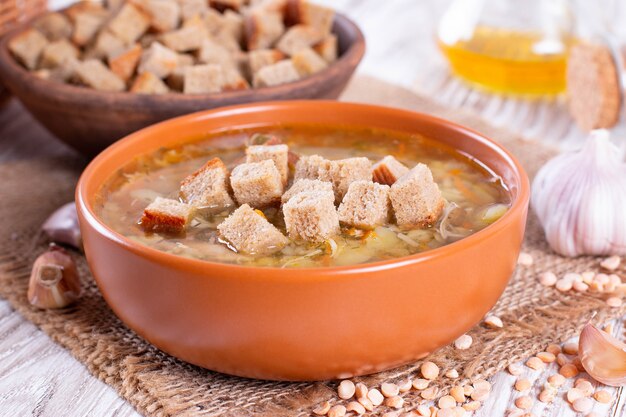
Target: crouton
{"type": "Point", "coordinates": [212, 52]}
{"type": "Point", "coordinates": [159, 60]}
{"type": "Point", "coordinates": [228, 41]}
{"type": "Point", "coordinates": [86, 6]}
{"type": "Point", "coordinates": [312, 167]}
{"type": "Point", "coordinates": [27, 47]}
{"type": "Point", "coordinates": [186, 39]}
{"type": "Point", "coordinates": [54, 26]}
{"type": "Point", "coordinates": [203, 79]}
{"type": "Point", "coordinates": [279, 73]}
{"type": "Point", "coordinates": [305, 12]}
{"type": "Point", "coordinates": [148, 83]}
{"type": "Point", "coordinates": [165, 215]}
{"type": "Point", "coordinates": [297, 38]}
{"type": "Point", "coordinates": [306, 185]}
{"type": "Point", "coordinates": [114, 5]}
{"type": "Point", "coordinates": [176, 80]}
{"type": "Point", "coordinates": [276, 153]}
{"type": "Point", "coordinates": [345, 171]}
{"type": "Point", "coordinates": [96, 75]}
{"type": "Point", "coordinates": [129, 23]}
{"type": "Point", "coordinates": [416, 199]}
{"type": "Point", "coordinates": [123, 64]}
{"type": "Point", "coordinates": [224, 5]}
{"type": "Point", "coordinates": [308, 62]}
{"type": "Point", "coordinates": [262, 28]}
{"type": "Point", "coordinates": [191, 8]}
{"type": "Point", "coordinates": [257, 183]}
{"type": "Point", "coordinates": [65, 71]}
{"type": "Point", "coordinates": [212, 20]}
{"type": "Point", "coordinates": [86, 26]}
{"type": "Point", "coordinates": [232, 24]}
{"type": "Point", "coordinates": [311, 216]}
{"type": "Point", "coordinates": [207, 188]}
{"type": "Point", "coordinates": [261, 58]}
{"type": "Point", "coordinates": [164, 14]}
{"type": "Point", "coordinates": [57, 52]}
{"type": "Point", "coordinates": [233, 80]}
{"type": "Point", "coordinates": [249, 232]}
{"type": "Point", "coordinates": [388, 170]}
{"type": "Point", "coordinates": [327, 48]}
{"type": "Point", "coordinates": [107, 44]}
{"type": "Point", "coordinates": [365, 205]}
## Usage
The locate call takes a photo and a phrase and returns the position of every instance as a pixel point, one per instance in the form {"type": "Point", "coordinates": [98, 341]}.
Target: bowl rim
{"type": "Point", "coordinates": [85, 207]}
{"type": "Point", "coordinates": [347, 61]}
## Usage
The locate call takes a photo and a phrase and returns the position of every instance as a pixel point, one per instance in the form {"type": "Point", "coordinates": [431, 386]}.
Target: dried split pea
{"type": "Point", "coordinates": [458, 393]}
{"type": "Point", "coordinates": [547, 279]}
{"type": "Point", "coordinates": [535, 363]}
{"type": "Point", "coordinates": [524, 402]}
{"type": "Point", "coordinates": [447, 401]}
{"type": "Point", "coordinates": [546, 357]}
{"type": "Point", "coordinates": [463, 342]}
{"type": "Point", "coordinates": [568, 370]}
{"type": "Point", "coordinates": [429, 370]}
{"type": "Point", "coordinates": [583, 405]}
{"type": "Point", "coordinates": [522, 384]}
{"type": "Point", "coordinates": [322, 409]}
{"type": "Point", "coordinates": [394, 402]}
{"type": "Point", "coordinates": [602, 397]}
{"type": "Point", "coordinates": [515, 369]}
{"type": "Point", "coordinates": [525, 259]}
{"type": "Point", "coordinates": [573, 394]}
{"type": "Point", "coordinates": [346, 389]}
{"type": "Point", "coordinates": [360, 390]}
{"type": "Point", "coordinates": [430, 393]}
{"type": "Point", "coordinates": [556, 380]}
{"type": "Point", "coordinates": [493, 322]}
{"type": "Point", "coordinates": [614, 302]}
{"type": "Point", "coordinates": [472, 406]}
{"type": "Point", "coordinates": [452, 373]}
{"type": "Point", "coordinates": [570, 348]}
{"type": "Point", "coordinates": [420, 384]}
{"type": "Point", "coordinates": [389, 389]}
{"type": "Point", "coordinates": [547, 396]}
{"type": "Point", "coordinates": [337, 411]}
{"type": "Point", "coordinates": [355, 407]}
{"type": "Point", "coordinates": [375, 396]}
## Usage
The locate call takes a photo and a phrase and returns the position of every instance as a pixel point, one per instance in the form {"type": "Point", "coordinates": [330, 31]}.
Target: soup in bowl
{"type": "Point", "coordinates": [263, 240]}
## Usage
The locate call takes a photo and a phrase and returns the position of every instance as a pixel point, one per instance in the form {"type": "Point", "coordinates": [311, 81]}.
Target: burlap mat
{"type": "Point", "coordinates": [160, 385]}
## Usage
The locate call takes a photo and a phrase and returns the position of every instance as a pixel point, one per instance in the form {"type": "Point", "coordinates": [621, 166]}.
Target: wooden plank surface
{"type": "Point", "coordinates": [39, 378]}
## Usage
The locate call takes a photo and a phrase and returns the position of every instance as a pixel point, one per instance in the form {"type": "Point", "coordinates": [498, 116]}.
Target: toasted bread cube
{"type": "Point", "coordinates": [263, 28]}
{"type": "Point", "coordinates": [159, 60]}
{"type": "Point", "coordinates": [164, 14]}
{"type": "Point", "coordinates": [86, 6]}
{"type": "Point", "coordinates": [299, 37]}
{"type": "Point", "coordinates": [224, 5]}
{"type": "Point", "coordinates": [257, 184]}
{"type": "Point", "coordinates": [148, 83]}
{"type": "Point", "coordinates": [57, 52]}
{"type": "Point", "coordinates": [305, 12]}
{"type": "Point", "coordinates": [416, 199]}
{"type": "Point", "coordinates": [114, 5]}
{"type": "Point", "coordinates": [233, 80]}
{"type": "Point", "coordinates": [123, 64]}
{"type": "Point", "coordinates": [207, 188]}
{"type": "Point", "coordinates": [212, 52]}
{"type": "Point", "coordinates": [345, 171]}
{"type": "Point", "coordinates": [249, 232]}
{"type": "Point", "coordinates": [388, 170]}
{"type": "Point", "coordinates": [232, 24]}
{"type": "Point", "coordinates": [263, 57]}
{"type": "Point", "coordinates": [176, 80]}
{"type": "Point", "coordinates": [311, 216]}
{"type": "Point", "coordinates": [107, 44]}
{"type": "Point", "coordinates": [165, 215]}
{"type": "Point", "coordinates": [306, 184]}
{"type": "Point", "coordinates": [54, 26]}
{"type": "Point", "coordinates": [328, 48]}
{"type": "Point", "coordinates": [129, 23]}
{"type": "Point", "coordinates": [64, 72]}
{"type": "Point", "coordinates": [191, 8]}
{"type": "Point", "coordinates": [308, 62]}
{"type": "Point", "coordinates": [312, 167]}
{"type": "Point", "coordinates": [28, 46]}
{"type": "Point", "coordinates": [186, 39]}
{"type": "Point", "coordinates": [86, 26]}
{"type": "Point", "coordinates": [203, 79]}
{"type": "Point", "coordinates": [279, 73]}
{"type": "Point", "coordinates": [365, 205]}
{"type": "Point", "coordinates": [276, 153]}
{"type": "Point", "coordinates": [97, 76]}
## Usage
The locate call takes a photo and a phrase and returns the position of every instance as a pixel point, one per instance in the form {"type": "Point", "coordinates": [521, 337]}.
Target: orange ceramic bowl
{"type": "Point", "coordinates": [303, 324]}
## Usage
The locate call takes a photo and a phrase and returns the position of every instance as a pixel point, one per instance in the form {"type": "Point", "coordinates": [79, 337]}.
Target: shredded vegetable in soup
{"type": "Point", "coordinates": [302, 196]}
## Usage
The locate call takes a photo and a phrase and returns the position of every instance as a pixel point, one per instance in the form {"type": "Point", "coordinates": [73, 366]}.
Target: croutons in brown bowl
{"type": "Point", "coordinates": [206, 240]}
{"type": "Point", "coordinates": [92, 73]}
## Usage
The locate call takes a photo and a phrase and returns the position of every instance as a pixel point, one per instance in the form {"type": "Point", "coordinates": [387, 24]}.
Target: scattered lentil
{"type": "Point", "coordinates": [556, 380]}
{"type": "Point", "coordinates": [573, 277]}
{"type": "Point", "coordinates": [482, 384]}
{"type": "Point", "coordinates": [602, 279]}
{"type": "Point", "coordinates": [568, 370]}
{"type": "Point", "coordinates": [479, 394]}
{"type": "Point", "coordinates": [346, 389]}
{"type": "Point", "coordinates": [389, 390]}
{"type": "Point", "coordinates": [463, 342]}
{"type": "Point", "coordinates": [611, 263]}
{"type": "Point", "coordinates": [554, 349]}
{"type": "Point", "coordinates": [429, 370]}
{"type": "Point", "coordinates": [524, 402]}
{"type": "Point", "coordinates": [447, 401]}
{"type": "Point", "coordinates": [588, 277]}
{"type": "Point", "coordinates": [548, 279]}
{"type": "Point", "coordinates": [570, 348]}
{"type": "Point", "coordinates": [525, 259]}
{"type": "Point", "coordinates": [535, 363]}
{"type": "Point", "coordinates": [493, 322]}
{"type": "Point", "coordinates": [578, 364]}
{"type": "Point", "coordinates": [614, 302]}
{"type": "Point", "coordinates": [394, 402]}
{"type": "Point", "coordinates": [561, 359]}
{"type": "Point", "coordinates": [467, 390]}
{"type": "Point", "coordinates": [522, 384]}
{"type": "Point", "coordinates": [445, 412]}
{"type": "Point", "coordinates": [602, 396]}
{"type": "Point", "coordinates": [546, 357]}
{"type": "Point", "coordinates": [585, 386]}
{"type": "Point", "coordinates": [337, 411]}
{"type": "Point", "coordinates": [458, 393]}
{"type": "Point", "coordinates": [472, 406]}
{"type": "Point", "coordinates": [355, 407]}
{"type": "Point", "coordinates": [573, 394]}
{"type": "Point", "coordinates": [420, 383]}
{"type": "Point", "coordinates": [580, 286]}
{"type": "Point", "coordinates": [452, 373]}
{"type": "Point", "coordinates": [564, 285]}
{"type": "Point", "coordinates": [547, 396]}
{"type": "Point", "coordinates": [515, 369]}
{"type": "Point", "coordinates": [423, 410]}
{"type": "Point", "coordinates": [375, 396]}
{"type": "Point", "coordinates": [405, 386]}
{"type": "Point", "coordinates": [366, 403]}
{"type": "Point", "coordinates": [322, 409]}
{"type": "Point", "coordinates": [583, 405]}
{"type": "Point", "coordinates": [360, 390]}
{"type": "Point", "coordinates": [429, 393]}
{"type": "Point", "coordinates": [458, 411]}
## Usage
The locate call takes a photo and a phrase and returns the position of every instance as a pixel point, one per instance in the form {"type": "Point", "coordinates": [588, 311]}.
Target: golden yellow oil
{"type": "Point", "coordinates": [505, 61]}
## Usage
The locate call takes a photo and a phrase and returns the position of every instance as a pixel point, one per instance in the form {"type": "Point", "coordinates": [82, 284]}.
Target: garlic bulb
{"type": "Point", "coordinates": [62, 226]}
{"type": "Point", "coordinates": [602, 356]}
{"type": "Point", "coordinates": [580, 199]}
{"type": "Point", "coordinates": [54, 280]}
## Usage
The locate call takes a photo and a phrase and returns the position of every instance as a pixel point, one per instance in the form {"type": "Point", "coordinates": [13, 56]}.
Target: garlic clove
{"type": "Point", "coordinates": [602, 356]}
{"type": "Point", "coordinates": [54, 280]}
{"type": "Point", "coordinates": [62, 226]}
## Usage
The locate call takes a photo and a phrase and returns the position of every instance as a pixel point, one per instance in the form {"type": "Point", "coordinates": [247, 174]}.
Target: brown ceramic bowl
{"type": "Point", "coordinates": [90, 120]}
{"type": "Point", "coordinates": [303, 324]}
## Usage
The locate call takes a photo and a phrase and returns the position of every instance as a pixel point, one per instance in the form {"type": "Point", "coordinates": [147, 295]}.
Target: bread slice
{"type": "Point", "coordinates": [54, 26]}
{"type": "Point", "coordinates": [279, 73]}
{"type": "Point", "coordinates": [261, 58]}
{"type": "Point", "coordinates": [249, 232]}
{"type": "Point", "coordinates": [262, 28]}
{"type": "Point", "coordinates": [164, 15]}
{"type": "Point", "coordinates": [308, 13]}
{"type": "Point", "coordinates": [148, 83]}
{"type": "Point", "coordinates": [186, 39]}
{"type": "Point", "coordinates": [207, 188]}
{"type": "Point", "coordinates": [129, 23]}
{"type": "Point", "coordinates": [328, 48]}
{"type": "Point", "coordinates": [159, 60]}
{"type": "Point", "coordinates": [365, 205]}
{"type": "Point", "coordinates": [165, 215]}
{"type": "Point", "coordinates": [257, 183]}
{"type": "Point", "coordinates": [57, 52]}
{"type": "Point", "coordinates": [305, 184]}
{"type": "Point", "coordinates": [388, 170]}
{"type": "Point", "coordinates": [86, 26]}
{"type": "Point", "coordinates": [311, 216]}
{"type": "Point", "coordinates": [277, 153]}
{"type": "Point", "coordinates": [416, 199]}
{"type": "Point", "coordinates": [297, 38]}
{"type": "Point", "coordinates": [123, 64]}
{"type": "Point", "coordinates": [97, 76]}
{"type": "Point", "coordinates": [27, 47]}
{"type": "Point", "coordinates": [308, 62]}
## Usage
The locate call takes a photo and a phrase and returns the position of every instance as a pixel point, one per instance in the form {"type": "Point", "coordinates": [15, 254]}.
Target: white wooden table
{"type": "Point", "coordinates": [39, 378]}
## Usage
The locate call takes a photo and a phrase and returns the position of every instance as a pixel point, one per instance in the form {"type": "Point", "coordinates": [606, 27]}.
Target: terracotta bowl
{"type": "Point", "coordinates": [90, 120]}
{"type": "Point", "coordinates": [303, 324]}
